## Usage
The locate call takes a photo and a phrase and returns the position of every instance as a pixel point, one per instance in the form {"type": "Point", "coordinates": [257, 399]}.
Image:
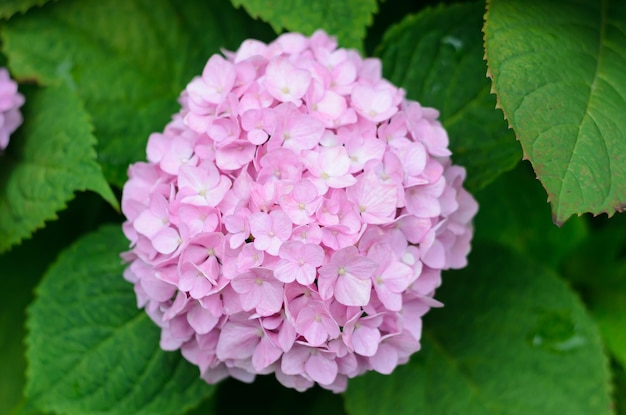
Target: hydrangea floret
{"type": "Point", "coordinates": [10, 102]}
{"type": "Point", "coordinates": [294, 217]}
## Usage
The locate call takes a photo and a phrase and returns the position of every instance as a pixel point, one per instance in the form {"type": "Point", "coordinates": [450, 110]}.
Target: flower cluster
{"type": "Point", "coordinates": [294, 217]}
{"type": "Point", "coordinates": [10, 102]}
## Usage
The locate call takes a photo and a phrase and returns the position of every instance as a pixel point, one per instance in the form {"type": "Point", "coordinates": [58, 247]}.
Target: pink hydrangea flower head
{"type": "Point", "coordinates": [295, 216]}
{"type": "Point", "coordinates": [10, 102]}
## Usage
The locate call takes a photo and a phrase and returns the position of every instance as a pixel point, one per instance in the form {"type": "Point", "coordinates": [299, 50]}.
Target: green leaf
{"type": "Point", "coordinates": [19, 275]}
{"type": "Point", "coordinates": [128, 59]}
{"type": "Point", "coordinates": [345, 19]}
{"type": "Point", "coordinates": [512, 339]}
{"type": "Point", "coordinates": [48, 159]}
{"type": "Point", "coordinates": [10, 7]}
{"type": "Point", "coordinates": [559, 71]}
{"type": "Point", "coordinates": [91, 351]}
{"type": "Point", "coordinates": [513, 211]}
{"type": "Point", "coordinates": [437, 57]}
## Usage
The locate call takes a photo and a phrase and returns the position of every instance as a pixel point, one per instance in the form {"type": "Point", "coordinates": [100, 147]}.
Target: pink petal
{"type": "Point", "coordinates": [365, 340]}
{"type": "Point", "coordinates": [271, 297]}
{"type": "Point", "coordinates": [303, 133]}
{"type": "Point", "coordinates": [148, 223]}
{"type": "Point", "coordinates": [293, 361]}
{"type": "Point", "coordinates": [260, 223]}
{"type": "Point", "coordinates": [375, 200]}
{"type": "Point", "coordinates": [435, 256]}
{"type": "Point", "coordinates": [285, 82]}
{"type": "Point", "coordinates": [237, 341]}
{"type": "Point", "coordinates": [306, 274]}
{"type": "Point", "coordinates": [374, 103]}
{"type": "Point", "coordinates": [352, 291]}
{"type": "Point", "coordinates": [234, 155]}
{"type": "Point", "coordinates": [157, 289]}
{"type": "Point", "coordinates": [313, 254]}
{"type": "Point", "coordinates": [391, 300]}
{"type": "Point", "coordinates": [321, 369]}
{"type": "Point", "coordinates": [166, 241]}
{"type": "Point", "coordinates": [265, 354]}
{"type": "Point", "coordinates": [286, 270]}
{"type": "Point", "coordinates": [315, 333]}
{"type": "Point", "coordinates": [201, 320]}
{"type": "Point", "coordinates": [281, 225]}
{"type": "Point", "coordinates": [360, 267]}
{"type": "Point", "coordinates": [219, 74]}
{"type": "Point", "coordinates": [385, 360]}
{"type": "Point", "coordinates": [334, 161]}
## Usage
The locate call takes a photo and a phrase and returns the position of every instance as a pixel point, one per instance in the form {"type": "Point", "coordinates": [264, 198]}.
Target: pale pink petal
{"type": "Point", "coordinates": [385, 359]}
{"type": "Point", "coordinates": [265, 354]}
{"type": "Point", "coordinates": [323, 370]}
{"type": "Point", "coordinates": [360, 267]}
{"type": "Point", "coordinates": [365, 340]}
{"type": "Point", "coordinates": [166, 241]}
{"type": "Point", "coordinates": [285, 82]}
{"type": "Point", "coordinates": [374, 103]}
{"type": "Point", "coordinates": [375, 200]}
{"type": "Point", "coordinates": [234, 155]}
{"type": "Point", "coordinates": [201, 320]}
{"type": "Point", "coordinates": [293, 361]}
{"type": "Point", "coordinates": [286, 270]}
{"type": "Point", "coordinates": [238, 341]}
{"type": "Point", "coordinates": [352, 291]}
{"type": "Point", "coordinates": [157, 289]}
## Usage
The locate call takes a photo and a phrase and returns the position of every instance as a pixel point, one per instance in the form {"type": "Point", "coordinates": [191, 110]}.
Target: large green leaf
{"type": "Point", "coordinates": [512, 339]}
{"type": "Point", "coordinates": [48, 159]}
{"type": "Point", "coordinates": [345, 19]}
{"type": "Point", "coordinates": [513, 211]}
{"type": "Point", "coordinates": [559, 71]}
{"type": "Point", "coordinates": [10, 7]}
{"type": "Point", "coordinates": [437, 57]}
{"type": "Point", "coordinates": [19, 274]}
{"type": "Point", "coordinates": [128, 59]}
{"type": "Point", "coordinates": [91, 351]}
